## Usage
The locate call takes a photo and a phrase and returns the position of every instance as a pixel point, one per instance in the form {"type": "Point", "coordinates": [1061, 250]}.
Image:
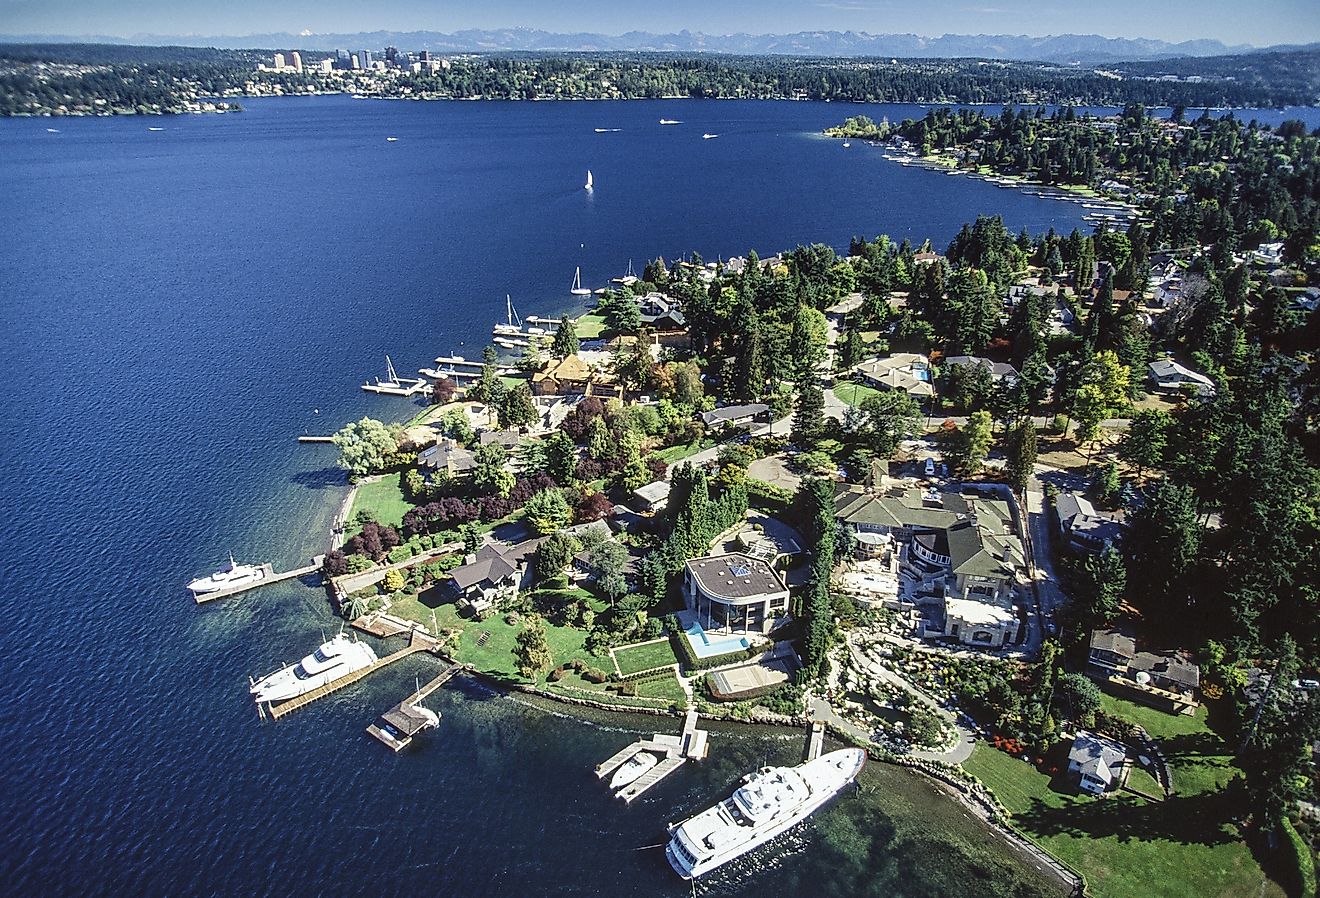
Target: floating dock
{"type": "Point", "coordinates": [419, 642]}
{"type": "Point", "coordinates": [406, 719]}
{"type": "Point", "coordinates": [268, 577]}
{"type": "Point", "coordinates": [815, 740]}
{"type": "Point", "coordinates": [312, 438]}
{"type": "Point", "coordinates": [393, 385]}
{"type": "Point", "coordinates": [690, 745]}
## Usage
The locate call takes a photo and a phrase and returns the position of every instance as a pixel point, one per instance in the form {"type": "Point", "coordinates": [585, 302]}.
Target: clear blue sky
{"type": "Point", "coordinates": [1257, 22]}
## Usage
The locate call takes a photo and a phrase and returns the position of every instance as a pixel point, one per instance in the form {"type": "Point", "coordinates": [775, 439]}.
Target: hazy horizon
{"type": "Point", "coordinates": [1232, 23]}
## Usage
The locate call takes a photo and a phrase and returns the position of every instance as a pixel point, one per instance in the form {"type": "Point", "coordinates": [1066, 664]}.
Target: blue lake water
{"type": "Point", "coordinates": [177, 305]}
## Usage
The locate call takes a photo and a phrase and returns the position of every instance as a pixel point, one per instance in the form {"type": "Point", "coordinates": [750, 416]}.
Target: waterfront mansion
{"type": "Point", "coordinates": [958, 558]}
{"type": "Point", "coordinates": [734, 593]}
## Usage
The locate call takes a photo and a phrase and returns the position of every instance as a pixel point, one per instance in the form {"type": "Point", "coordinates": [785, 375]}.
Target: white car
{"type": "Point", "coordinates": [930, 467]}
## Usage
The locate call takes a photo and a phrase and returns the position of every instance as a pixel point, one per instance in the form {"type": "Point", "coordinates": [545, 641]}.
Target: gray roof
{"type": "Point", "coordinates": [654, 492]}
{"type": "Point", "coordinates": [493, 562]}
{"type": "Point", "coordinates": [506, 438]}
{"type": "Point", "coordinates": [998, 370]}
{"type": "Point", "coordinates": [735, 576]}
{"type": "Point", "coordinates": [733, 413]}
{"type": "Point", "coordinates": [1114, 641]}
{"type": "Point", "coordinates": [1167, 666]}
{"type": "Point", "coordinates": [448, 455]}
{"type": "Point", "coordinates": [1096, 755]}
{"type": "Point", "coordinates": [1165, 371]}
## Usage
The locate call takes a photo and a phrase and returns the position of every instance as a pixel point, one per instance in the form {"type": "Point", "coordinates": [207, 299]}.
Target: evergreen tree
{"type": "Point", "coordinates": [809, 416]}
{"type": "Point", "coordinates": [532, 650]}
{"type": "Point", "coordinates": [566, 339]}
{"type": "Point", "coordinates": [1162, 548]}
{"type": "Point", "coordinates": [516, 408]}
{"type": "Point", "coordinates": [1146, 439]}
{"type": "Point", "coordinates": [1022, 450]}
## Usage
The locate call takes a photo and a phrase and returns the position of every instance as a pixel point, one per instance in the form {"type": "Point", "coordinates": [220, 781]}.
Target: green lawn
{"type": "Point", "coordinates": [382, 498]}
{"type": "Point", "coordinates": [1184, 847]}
{"type": "Point", "coordinates": [645, 656]}
{"type": "Point", "coordinates": [590, 326]}
{"type": "Point", "coordinates": [854, 394]}
{"type": "Point", "coordinates": [672, 454]}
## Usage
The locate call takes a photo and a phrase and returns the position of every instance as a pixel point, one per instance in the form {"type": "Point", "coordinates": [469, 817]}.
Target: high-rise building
{"type": "Point", "coordinates": [391, 55]}
{"type": "Point", "coordinates": [295, 61]}
{"type": "Point", "coordinates": [424, 56]}
{"type": "Point", "coordinates": [279, 61]}
{"type": "Point", "coordinates": [326, 66]}
{"type": "Point", "coordinates": [364, 59]}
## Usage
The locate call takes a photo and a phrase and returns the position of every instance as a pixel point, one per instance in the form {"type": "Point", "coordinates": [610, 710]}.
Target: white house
{"type": "Point", "coordinates": [1097, 761]}
{"type": "Point", "coordinates": [1167, 376]}
{"type": "Point", "coordinates": [906, 371]}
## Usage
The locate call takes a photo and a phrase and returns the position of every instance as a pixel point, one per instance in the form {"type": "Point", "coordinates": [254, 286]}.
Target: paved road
{"type": "Point", "coordinates": [1046, 579]}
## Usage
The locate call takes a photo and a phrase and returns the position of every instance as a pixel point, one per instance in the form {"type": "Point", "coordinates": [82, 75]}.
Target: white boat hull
{"type": "Point", "coordinates": [332, 660]}
{"type": "Point", "coordinates": [830, 775]}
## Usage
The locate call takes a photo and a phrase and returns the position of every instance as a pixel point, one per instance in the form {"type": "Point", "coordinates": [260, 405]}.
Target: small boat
{"type": "Point", "coordinates": [331, 660]}
{"type": "Point", "coordinates": [577, 289]}
{"type": "Point", "coordinates": [607, 130]}
{"type": "Point", "coordinates": [155, 129]}
{"type": "Point", "coordinates": [588, 186]}
{"type": "Point", "coordinates": [393, 384]}
{"type": "Point", "coordinates": [632, 769]}
{"type": "Point", "coordinates": [52, 130]}
{"type": "Point", "coordinates": [709, 136]}
{"type": "Point", "coordinates": [391, 139]}
{"type": "Point", "coordinates": [670, 121]}
{"type": "Point", "coordinates": [846, 144]}
{"type": "Point", "coordinates": [230, 576]}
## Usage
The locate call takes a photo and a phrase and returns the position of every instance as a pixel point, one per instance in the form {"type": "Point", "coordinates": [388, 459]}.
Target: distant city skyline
{"type": "Point", "coordinates": [1230, 21]}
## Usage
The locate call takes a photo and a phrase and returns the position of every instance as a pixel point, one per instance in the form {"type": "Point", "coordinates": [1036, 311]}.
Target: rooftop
{"type": "Point", "coordinates": [734, 576]}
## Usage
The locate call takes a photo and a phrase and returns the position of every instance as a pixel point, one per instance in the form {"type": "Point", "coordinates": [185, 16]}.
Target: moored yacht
{"type": "Point", "coordinates": [769, 802]}
{"type": "Point", "coordinates": [231, 576]}
{"type": "Point", "coordinates": [331, 660]}
{"type": "Point", "coordinates": [632, 769]}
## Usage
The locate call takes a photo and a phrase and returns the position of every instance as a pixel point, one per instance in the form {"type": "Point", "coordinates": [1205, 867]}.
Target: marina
{"type": "Point", "coordinates": [673, 751]}
{"type": "Point", "coordinates": [393, 385]}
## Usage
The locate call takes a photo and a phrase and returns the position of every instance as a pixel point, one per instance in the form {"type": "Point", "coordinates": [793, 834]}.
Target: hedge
{"type": "Point", "coordinates": [767, 495]}
{"type": "Point", "coordinates": [1302, 858]}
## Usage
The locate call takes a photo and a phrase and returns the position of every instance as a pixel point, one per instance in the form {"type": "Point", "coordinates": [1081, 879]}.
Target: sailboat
{"type": "Point", "coordinates": [588, 184]}
{"type": "Point", "coordinates": [513, 325]}
{"type": "Point", "coordinates": [393, 385]}
{"type": "Point", "coordinates": [577, 288]}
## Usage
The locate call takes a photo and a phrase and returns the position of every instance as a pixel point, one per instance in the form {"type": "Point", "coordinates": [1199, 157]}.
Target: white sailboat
{"type": "Point", "coordinates": [513, 325]}
{"type": "Point", "coordinates": [709, 136]}
{"type": "Point", "coordinates": [577, 288]}
{"type": "Point", "coordinates": [588, 185]}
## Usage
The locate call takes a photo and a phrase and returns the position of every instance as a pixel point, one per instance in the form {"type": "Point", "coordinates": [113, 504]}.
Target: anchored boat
{"type": "Point", "coordinates": [769, 802]}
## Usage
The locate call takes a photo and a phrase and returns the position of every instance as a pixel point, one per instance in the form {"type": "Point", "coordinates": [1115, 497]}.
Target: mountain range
{"type": "Point", "coordinates": [1078, 49]}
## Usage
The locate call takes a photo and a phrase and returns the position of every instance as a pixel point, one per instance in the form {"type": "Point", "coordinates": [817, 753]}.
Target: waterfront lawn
{"type": "Point", "coordinates": [590, 326]}
{"type": "Point", "coordinates": [644, 656]}
{"type": "Point", "coordinates": [854, 394]}
{"type": "Point", "coordinates": [1126, 845]}
{"type": "Point", "coordinates": [672, 454]}
{"type": "Point", "coordinates": [382, 498]}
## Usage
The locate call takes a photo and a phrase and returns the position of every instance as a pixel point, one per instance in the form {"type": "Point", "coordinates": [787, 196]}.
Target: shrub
{"type": "Point", "coordinates": [556, 674]}
{"type": "Point", "coordinates": [594, 675]}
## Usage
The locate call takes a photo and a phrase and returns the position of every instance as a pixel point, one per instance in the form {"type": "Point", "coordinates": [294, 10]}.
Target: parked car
{"type": "Point", "coordinates": [930, 467]}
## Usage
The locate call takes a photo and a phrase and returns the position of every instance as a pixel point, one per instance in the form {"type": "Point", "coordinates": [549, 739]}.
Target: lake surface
{"type": "Point", "coordinates": [177, 305]}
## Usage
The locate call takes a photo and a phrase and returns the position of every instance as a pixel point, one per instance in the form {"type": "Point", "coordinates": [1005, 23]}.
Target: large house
{"type": "Point", "coordinates": [495, 573]}
{"type": "Point", "coordinates": [571, 375]}
{"type": "Point", "coordinates": [1165, 680]}
{"type": "Point", "coordinates": [1167, 376]}
{"type": "Point", "coordinates": [998, 370]}
{"type": "Point", "coordinates": [734, 415]}
{"type": "Point", "coordinates": [1097, 761]}
{"type": "Point", "coordinates": [447, 457]}
{"type": "Point", "coordinates": [962, 552]}
{"type": "Point", "coordinates": [734, 592]}
{"type": "Point", "coordinates": [905, 371]}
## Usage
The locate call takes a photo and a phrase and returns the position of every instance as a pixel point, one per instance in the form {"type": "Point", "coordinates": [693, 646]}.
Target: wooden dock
{"type": "Point", "coordinates": [815, 740]}
{"type": "Point", "coordinates": [414, 646]}
{"type": "Point", "coordinates": [397, 726]}
{"type": "Point", "coordinates": [690, 745]}
{"type": "Point", "coordinates": [270, 576]}
{"type": "Point", "coordinates": [313, 438]}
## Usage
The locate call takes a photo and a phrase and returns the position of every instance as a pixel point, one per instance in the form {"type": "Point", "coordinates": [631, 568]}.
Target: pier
{"type": "Point", "coordinates": [268, 576]}
{"type": "Point", "coordinates": [419, 642]}
{"type": "Point", "coordinates": [406, 719]}
{"type": "Point", "coordinates": [458, 368]}
{"type": "Point", "coordinates": [313, 438]}
{"type": "Point", "coordinates": [691, 745]}
{"type": "Point", "coordinates": [815, 740]}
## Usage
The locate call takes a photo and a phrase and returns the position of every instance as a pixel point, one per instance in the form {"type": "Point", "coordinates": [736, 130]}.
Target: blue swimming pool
{"type": "Point", "coordinates": [704, 647]}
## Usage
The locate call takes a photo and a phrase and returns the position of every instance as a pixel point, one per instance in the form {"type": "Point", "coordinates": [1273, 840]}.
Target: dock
{"type": "Point", "coordinates": [312, 438]}
{"type": "Point", "coordinates": [690, 745]}
{"type": "Point", "coordinates": [406, 719]}
{"type": "Point", "coordinates": [418, 643]}
{"type": "Point", "coordinates": [269, 576]}
{"type": "Point", "coordinates": [815, 740]}
{"type": "Point", "coordinates": [393, 385]}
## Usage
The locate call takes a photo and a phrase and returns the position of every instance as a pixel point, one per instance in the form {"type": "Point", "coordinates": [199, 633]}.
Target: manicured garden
{"type": "Point", "coordinates": [1126, 845]}
{"type": "Point", "coordinates": [632, 659]}
{"type": "Point", "coordinates": [854, 394]}
{"type": "Point", "coordinates": [590, 326]}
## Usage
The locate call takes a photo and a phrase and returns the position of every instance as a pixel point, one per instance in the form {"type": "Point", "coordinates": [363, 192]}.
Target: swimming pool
{"type": "Point", "coordinates": [704, 647]}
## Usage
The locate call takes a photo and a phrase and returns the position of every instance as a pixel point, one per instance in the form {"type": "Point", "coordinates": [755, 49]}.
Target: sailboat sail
{"type": "Point", "coordinates": [577, 288]}
{"type": "Point", "coordinates": [589, 182]}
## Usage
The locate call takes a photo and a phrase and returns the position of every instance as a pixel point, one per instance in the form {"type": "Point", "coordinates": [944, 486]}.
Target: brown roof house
{"type": "Point", "coordinates": [495, 573]}
{"type": "Point", "coordinates": [1165, 680]}
{"type": "Point", "coordinates": [571, 375]}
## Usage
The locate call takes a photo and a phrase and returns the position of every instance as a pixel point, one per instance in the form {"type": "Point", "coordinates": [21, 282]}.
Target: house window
{"type": "Point", "coordinates": [982, 636]}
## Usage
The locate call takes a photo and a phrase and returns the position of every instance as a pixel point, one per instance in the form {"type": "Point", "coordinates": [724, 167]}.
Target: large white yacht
{"type": "Point", "coordinates": [334, 659]}
{"type": "Point", "coordinates": [769, 802]}
{"type": "Point", "coordinates": [230, 576]}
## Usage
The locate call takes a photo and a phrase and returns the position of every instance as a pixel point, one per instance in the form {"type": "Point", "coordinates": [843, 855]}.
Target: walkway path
{"type": "Point", "coordinates": [350, 583]}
